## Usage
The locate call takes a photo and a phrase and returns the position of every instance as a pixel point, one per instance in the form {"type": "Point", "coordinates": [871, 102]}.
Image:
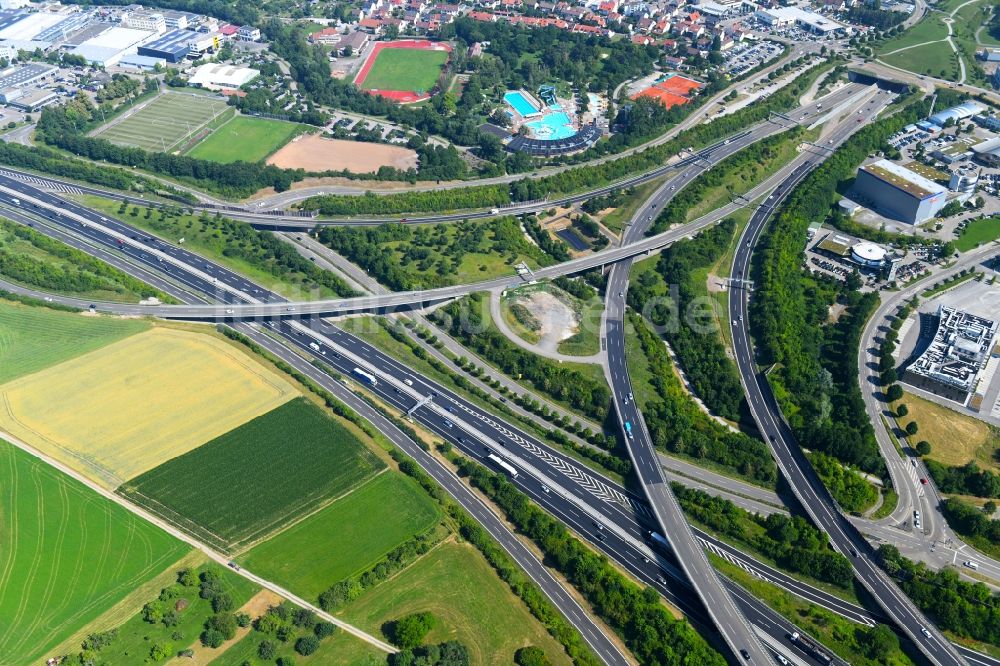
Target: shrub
{"type": "Point", "coordinates": [306, 645]}
{"type": "Point", "coordinates": [409, 631]}
{"type": "Point", "coordinates": [531, 656]}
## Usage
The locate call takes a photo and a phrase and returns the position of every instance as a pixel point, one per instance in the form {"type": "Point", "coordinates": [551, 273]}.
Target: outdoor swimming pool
{"type": "Point", "coordinates": [552, 127]}
{"type": "Point", "coordinates": [519, 103]}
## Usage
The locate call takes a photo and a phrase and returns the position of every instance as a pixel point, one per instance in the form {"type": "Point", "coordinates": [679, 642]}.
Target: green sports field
{"type": "Point", "coordinates": [245, 138]}
{"type": "Point", "coordinates": [346, 537]}
{"type": "Point", "coordinates": [168, 122]}
{"type": "Point", "coordinates": [405, 69]}
{"type": "Point", "coordinates": [34, 338]}
{"type": "Point", "coordinates": [241, 486]}
{"type": "Point", "coordinates": [66, 555]}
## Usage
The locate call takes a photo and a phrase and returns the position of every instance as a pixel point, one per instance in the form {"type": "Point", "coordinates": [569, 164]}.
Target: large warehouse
{"type": "Point", "coordinates": [107, 48]}
{"type": "Point", "coordinates": [897, 192]}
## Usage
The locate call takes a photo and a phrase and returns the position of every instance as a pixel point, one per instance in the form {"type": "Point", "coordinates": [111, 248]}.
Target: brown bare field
{"type": "Point", "coordinates": [315, 153]}
{"type": "Point", "coordinates": [121, 410]}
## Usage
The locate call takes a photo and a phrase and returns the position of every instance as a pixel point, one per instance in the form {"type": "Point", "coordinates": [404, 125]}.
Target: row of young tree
{"type": "Point", "coordinates": [815, 376]}
{"type": "Point", "coordinates": [791, 541]}
{"type": "Point", "coordinates": [676, 424]}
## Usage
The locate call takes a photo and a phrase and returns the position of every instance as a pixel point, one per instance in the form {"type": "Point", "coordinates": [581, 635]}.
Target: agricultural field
{"type": "Point", "coordinates": [345, 537]}
{"type": "Point", "coordinates": [34, 338]}
{"type": "Point", "coordinates": [470, 603]}
{"type": "Point", "coordinates": [130, 406]}
{"type": "Point", "coordinates": [239, 487]}
{"type": "Point", "coordinates": [168, 122]}
{"type": "Point", "coordinates": [68, 555]}
{"type": "Point", "coordinates": [405, 69]}
{"type": "Point", "coordinates": [245, 138]}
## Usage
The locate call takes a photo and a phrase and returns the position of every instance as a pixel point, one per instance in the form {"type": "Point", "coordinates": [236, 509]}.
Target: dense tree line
{"type": "Point", "coordinates": [815, 379]}
{"type": "Point", "coordinates": [792, 542]}
{"type": "Point", "coordinates": [701, 352]}
{"type": "Point", "coordinates": [974, 523]}
{"type": "Point", "coordinates": [48, 161]}
{"type": "Point", "coordinates": [636, 614]}
{"type": "Point", "coordinates": [451, 653]}
{"type": "Point", "coordinates": [967, 479]}
{"type": "Point", "coordinates": [549, 245]}
{"type": "Point", "coordinates": [468, 321]}
{"type": "Point", "coordinates": [432, 201]}
{"type": "Point", "coordinates": [81, 272]}
{"type": "Point", "coordinates": [969, 610]}
{"type": "Point", "coordinates": [850, 490]}
{"type": "Point", "coordinates": [676, 424]}
{"type": "Point", "coordinates": [870, 13]}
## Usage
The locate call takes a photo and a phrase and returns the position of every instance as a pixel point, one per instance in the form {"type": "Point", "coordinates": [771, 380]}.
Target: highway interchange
{"type": "Point", "coordinates": [613, 519]}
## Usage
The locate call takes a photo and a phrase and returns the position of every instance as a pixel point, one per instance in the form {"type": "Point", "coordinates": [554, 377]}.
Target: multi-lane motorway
{"type": "Point", "coordinates": [808, 488]}
{"type": "Point", "coordinates": [579, 497]}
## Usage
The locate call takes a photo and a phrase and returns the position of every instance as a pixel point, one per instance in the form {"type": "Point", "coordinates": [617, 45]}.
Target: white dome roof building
{"type": "Point", "coordinates": [868, 254]}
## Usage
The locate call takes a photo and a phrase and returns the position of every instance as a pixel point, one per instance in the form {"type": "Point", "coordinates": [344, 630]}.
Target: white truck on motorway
{"type": "Point", "coordinates": [366, 377]}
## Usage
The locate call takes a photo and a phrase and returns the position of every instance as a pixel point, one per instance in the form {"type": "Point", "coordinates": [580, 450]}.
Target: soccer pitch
{"type": "Point", "coordinates": [405, 69]}
{"type": "Point", "coordinates": [167, 122]}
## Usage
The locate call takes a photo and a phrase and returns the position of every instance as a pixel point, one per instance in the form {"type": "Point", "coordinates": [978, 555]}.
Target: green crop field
{"type": "Point", "coordinates": [245, 138]}
{"type": "Point", "coordinates": [33, 338]}
{"type": "Point", "coordinates": [241, 486]}
{"type": "Point", "coordinates": [346, 537]}
{"type": "Point", "coordinates": [168, 122]}
{"type": "Point", "coordinates": [405, 69]}
{"type": "Point", "coordinates": [67, 555]}
{"type": "Point", "coordinates": [471, 604]}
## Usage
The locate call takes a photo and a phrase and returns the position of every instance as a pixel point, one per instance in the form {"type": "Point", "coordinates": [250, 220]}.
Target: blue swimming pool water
{"type": "Point", "coordinates": [552, 127]}
{"type": "Point", "coordinates": [518, 102]}
{"type": "Point", "coordinates": [555, 107]}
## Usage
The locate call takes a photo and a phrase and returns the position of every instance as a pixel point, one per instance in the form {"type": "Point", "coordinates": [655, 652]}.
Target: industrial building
{"type": "Point", "coordinates": [988, 152]}
{"type": "Point", "coordinates": [963, 111]}
{"type": "Point", "coordinates": [215, 76]}
{"type": "Point", "coordinates": [144, 20]}
{"type": "Point", "coordinates": [863, 254]}
{"type": "Point", "coordinates": [26, 75]}
{"type": "Point", "coordinates": [784, 16]}
{"type": "Point", "coordinates": [961, 347]}
{"type": "Point", "coordinates": [107, 48]}
{"type": "Point", "coordinates": [177, 45]}
{"type": "Point", "coordinates": [897, 192]}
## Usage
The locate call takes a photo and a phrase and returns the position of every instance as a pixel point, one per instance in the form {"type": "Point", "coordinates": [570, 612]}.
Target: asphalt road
{"type": "Point", "coordinates": [31, 195]}
{"type": "Point", "coordinates": [577, 496]}
{"type": "Point", "coordinates": [604, 513]}
{"type": "Point", "coordinates": [809, 490]}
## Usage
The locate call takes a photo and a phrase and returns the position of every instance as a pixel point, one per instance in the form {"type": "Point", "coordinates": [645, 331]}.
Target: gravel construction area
{"type": "Point", "coordinates": [316, 154]}
{"type": "Point", "coordinates": [558, 320]}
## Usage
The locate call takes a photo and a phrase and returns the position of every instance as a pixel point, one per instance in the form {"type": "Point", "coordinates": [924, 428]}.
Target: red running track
{"type": "Point", "coordinates": [399, 96]}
